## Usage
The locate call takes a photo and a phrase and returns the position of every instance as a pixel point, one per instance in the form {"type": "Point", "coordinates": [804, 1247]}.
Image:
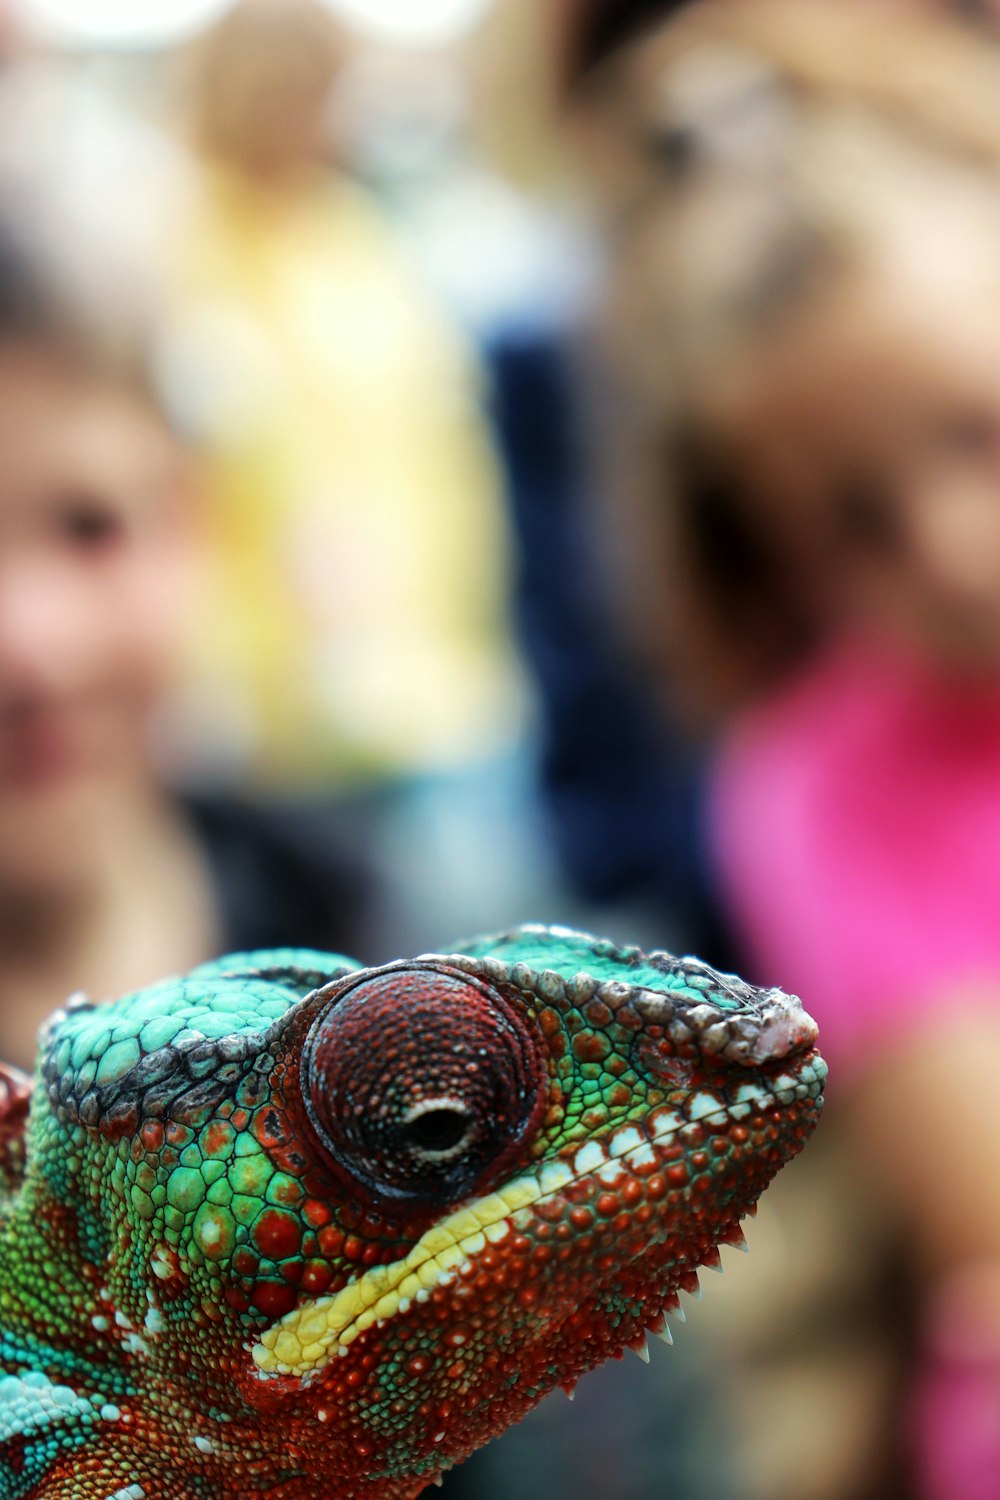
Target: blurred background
{"type": "Point", "coordinates": [474, 461]}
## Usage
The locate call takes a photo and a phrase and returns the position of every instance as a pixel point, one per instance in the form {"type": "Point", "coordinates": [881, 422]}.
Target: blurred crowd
{"type": "Point", "coordinates": [544, 469]}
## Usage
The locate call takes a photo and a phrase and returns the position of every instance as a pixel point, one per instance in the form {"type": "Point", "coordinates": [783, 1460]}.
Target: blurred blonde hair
{"type": "Point", "coordinates": [785, 149]}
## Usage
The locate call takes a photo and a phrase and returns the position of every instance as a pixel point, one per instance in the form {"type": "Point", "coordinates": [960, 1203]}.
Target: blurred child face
{"type": "Point", "coordinates": [870, 437]}
{"type": "Point", "coordinates": [90, 555]}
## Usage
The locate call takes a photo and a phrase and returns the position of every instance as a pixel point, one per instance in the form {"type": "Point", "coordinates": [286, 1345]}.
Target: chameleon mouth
{"type": "Point", "coordinates": [304, 1342]}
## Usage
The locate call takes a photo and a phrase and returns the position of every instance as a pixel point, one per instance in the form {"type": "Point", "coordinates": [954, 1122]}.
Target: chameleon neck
{"type": "Point", "coordinates": [43, 1325]}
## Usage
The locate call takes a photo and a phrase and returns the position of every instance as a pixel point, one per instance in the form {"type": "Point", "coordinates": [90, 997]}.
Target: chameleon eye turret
{"type": "Point", "coordinates": [422, 1082]}
{"type": "Point", "coordinates": [290, 1225]}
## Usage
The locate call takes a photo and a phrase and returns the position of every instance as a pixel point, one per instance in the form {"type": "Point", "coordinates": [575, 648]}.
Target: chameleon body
{"type": "Point", "coordinates": [288, 1227]}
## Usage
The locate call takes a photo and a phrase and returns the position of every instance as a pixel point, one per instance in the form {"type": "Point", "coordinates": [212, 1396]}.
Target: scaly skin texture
{"type": "Point", "coordinates": [293, 1228]}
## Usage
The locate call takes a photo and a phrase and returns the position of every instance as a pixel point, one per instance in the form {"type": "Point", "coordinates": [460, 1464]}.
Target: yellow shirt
{"type": "Point", "coordinates": [355, 614]}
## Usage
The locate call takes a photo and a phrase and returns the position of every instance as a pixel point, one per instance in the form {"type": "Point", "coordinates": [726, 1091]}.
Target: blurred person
{"type": "Point", "coordinates": [806, 307]}
{"type": "Point", "coordinates": [108, 877]}
{"type": "Point", "coordinates": [620, 782]}
{"type": "Point", "coordinates": [353, 492]}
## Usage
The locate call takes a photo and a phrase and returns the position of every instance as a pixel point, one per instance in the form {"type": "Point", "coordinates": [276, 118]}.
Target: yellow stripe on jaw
{"type": "Point", "coordinates": [305, 1340]}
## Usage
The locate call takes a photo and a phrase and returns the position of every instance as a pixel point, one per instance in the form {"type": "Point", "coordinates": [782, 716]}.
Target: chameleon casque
{"type": "Point", "coordinates": [291, 1227]}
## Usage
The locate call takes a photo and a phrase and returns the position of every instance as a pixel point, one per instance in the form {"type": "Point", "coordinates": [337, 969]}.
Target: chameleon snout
{"type": "Point", "coordinates": [749, 1028]}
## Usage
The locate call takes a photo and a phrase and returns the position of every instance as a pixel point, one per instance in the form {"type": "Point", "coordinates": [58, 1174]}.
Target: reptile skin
{"type": "Point", "coordinates": [289, 1227]}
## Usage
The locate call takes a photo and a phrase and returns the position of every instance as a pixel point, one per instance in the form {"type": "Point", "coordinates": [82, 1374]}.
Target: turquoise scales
{"type": "Point", "coordinates": [290, 1226]}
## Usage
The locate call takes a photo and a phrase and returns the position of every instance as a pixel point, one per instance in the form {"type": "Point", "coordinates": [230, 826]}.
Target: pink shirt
{"type": "Point", "coordinates": [855, 827]}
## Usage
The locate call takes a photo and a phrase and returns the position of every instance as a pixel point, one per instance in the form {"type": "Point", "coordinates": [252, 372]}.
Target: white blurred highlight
{"type": "Point", "coordinates": [117, 23]}
{"type": "Point", "coordinates": [412, 23]}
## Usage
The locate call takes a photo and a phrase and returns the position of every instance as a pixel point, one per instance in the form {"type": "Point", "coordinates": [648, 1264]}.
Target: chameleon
{"type": "Point", "coordinates": [292, 1227]}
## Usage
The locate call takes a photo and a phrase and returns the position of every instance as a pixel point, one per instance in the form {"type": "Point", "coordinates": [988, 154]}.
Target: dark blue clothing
{"type": "Point", "coordinates": [621, 788]}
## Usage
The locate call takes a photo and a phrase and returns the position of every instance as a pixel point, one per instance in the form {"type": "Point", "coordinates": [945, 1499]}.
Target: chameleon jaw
{"type": "Point", "coordinates": [304, 1342]}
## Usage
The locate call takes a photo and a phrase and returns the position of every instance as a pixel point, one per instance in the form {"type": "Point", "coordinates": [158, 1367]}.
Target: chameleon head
{"type": "Point", "coordinates": [370, 1216]}
{"type": "Point", "coordinates": [552, 1135]}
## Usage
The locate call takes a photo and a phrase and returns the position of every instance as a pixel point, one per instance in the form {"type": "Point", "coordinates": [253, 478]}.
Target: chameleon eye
{"type": "Point", "coordinates": [439, 1128]}
{"type": "Point", "coordinates": [421, 1082]}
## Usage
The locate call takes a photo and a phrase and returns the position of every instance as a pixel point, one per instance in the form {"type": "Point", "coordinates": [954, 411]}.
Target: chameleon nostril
{"type": "Point", "coordinates": [786, 1029]}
